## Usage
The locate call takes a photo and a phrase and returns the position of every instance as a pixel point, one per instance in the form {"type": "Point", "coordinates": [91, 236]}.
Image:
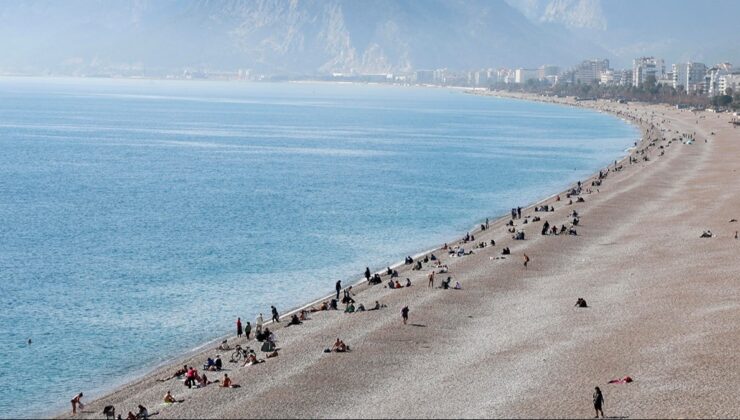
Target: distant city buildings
{"type": "Point", "coordinates": [590, 71]}
{"type": "Point", "coordinates": [525, 75]}
{"type": "Point", "coordinates": [689, 77]}
{"type": "Point", "coordinates": [645, 67]}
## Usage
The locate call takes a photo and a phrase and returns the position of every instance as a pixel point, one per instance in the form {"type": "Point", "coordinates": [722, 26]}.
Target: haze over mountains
{"type": "Point", "coordinates": [313, 37]}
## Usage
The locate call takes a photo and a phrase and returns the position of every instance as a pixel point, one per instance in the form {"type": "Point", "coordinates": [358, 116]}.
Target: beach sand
{"type": "Point", "coordinates": [664, 309]}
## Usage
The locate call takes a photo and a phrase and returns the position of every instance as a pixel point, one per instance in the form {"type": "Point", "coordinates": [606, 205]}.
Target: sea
{"type": "Point", "coordinates": [140, 218]}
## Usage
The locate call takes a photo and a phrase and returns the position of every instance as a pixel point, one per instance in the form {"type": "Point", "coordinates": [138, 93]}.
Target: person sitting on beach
{"type": "Point", "coordinates": [294, 321]}
{"type": "Point", "coordinates": [303, 316]}
{"type": "Point", "coordinates": [265, 335]}
{"type": "Point", "coordinates": [581, 303]}
{"type": "Point", "coordinates": [458, 286]}
{"type": "Point", "coordinates": [563, 229]}
{"type": "Point", "coordinates": [443, 269]}
{"type": "Point", "coordinates": [391, 285]}
{"type": "Point", "coordinates": [446, 283]}
{"type": "Point", "coordinates": [202, 380]}
{"type": "Point", "coordinates": [209, 364]}
{"type": "Point", "coordinates": [333, 304]}
{"type": "Point", "coordinates": [339, 346]}
{"type": "Point", "coordinates": [493, 243]}
{"type": "Point", "coordinates": [417, 266]}
{"type": "Point", "coordinates": [433, 257]}
{"type": "Point", "coordinates": [169, 399]}
{"type": "Point", "coordinates": [408, 282]}
{"type": "Point", "coordinates": [350, 308]}
{"type": "Point", "coordinates": [143, 413]}
{"type": "Point", "coordinates": [707, 234]}
{"type": "Point", "coordinates": [376, 307]}
{"type": "Point", "coordinates": [251, 359]}
{"type": "Point", "coordinates": [348, 296]}
{"type": "Point", "coordinates": [375, 279]}
{"type": "Point", "coordinates": [131, 416]}
{"type": "Point", "coordinates": [360, 308]}
{"type": "Point", "coordinates": [226, 383]}
{"type": "Point", "coordinates": [572, 231]}
{"type": "Point", "coordinates": [505, 251]}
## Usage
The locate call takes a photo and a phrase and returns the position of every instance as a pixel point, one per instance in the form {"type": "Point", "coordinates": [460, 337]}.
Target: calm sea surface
{"type": "Point", "coordinates": [138, 219]}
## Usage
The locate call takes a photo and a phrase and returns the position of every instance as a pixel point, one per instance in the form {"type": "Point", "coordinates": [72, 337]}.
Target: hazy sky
{"type": "Point", "coordinates": [368, 36]}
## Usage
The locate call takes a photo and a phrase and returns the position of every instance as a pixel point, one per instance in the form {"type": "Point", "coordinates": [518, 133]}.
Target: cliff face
{"type": "Point", "coordinates": [280, 36]}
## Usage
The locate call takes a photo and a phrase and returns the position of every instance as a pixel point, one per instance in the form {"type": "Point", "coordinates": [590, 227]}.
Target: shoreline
{"type": "Point", "coordinates": [179, 359]}
{"type": "Point", "coordinates": [497, 223]}
{"type": "Point", "coordinates": [141, 373]}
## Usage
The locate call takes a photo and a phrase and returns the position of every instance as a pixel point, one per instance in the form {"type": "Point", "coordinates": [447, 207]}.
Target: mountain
{"type": "Point", "coordinates": [676, 30]}
{"type": "Point", "coordinates": [277, 36]}
{"type": "Point", "coordinates": [316, 37]}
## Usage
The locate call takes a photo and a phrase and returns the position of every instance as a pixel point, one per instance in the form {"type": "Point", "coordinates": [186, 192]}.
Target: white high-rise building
{"type": "Point", "coordinates": [731, 81]}
{"type": "Point", "coordinates": [644, 67]}
{"type": "Point", "coordinates": [523, 75]}
{"type": "Point", "coordinates": [590, 70]}
{"type": "Point", "coordinates": [607, 78]}
{"type": "Point", "coordinates": [711, 80]}
{"type": "Point", "coordinates": [689, 76]}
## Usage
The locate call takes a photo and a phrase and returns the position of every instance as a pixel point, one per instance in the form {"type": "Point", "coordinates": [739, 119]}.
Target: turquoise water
{"type": "Point", "coordinates": [140, 218]}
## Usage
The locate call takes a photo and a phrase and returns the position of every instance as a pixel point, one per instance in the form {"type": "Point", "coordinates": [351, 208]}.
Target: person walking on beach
{"type": "Point", "coordinates": [338, 287]}
{"type": "Point", "coordinates": [367, 276]}
{"type": "Point", "coordinates": [275, 316]}
{"type": "Point", "coordinates": [405, 314]}
{"type": "Point", "coordinates": [518, 212]}
{"type": "Point", "coordinates": [598, 402]}
{"type": "Point", "coordinates": [431, 279]}
{"type": "Point", "coordinates": [238, 327]}
{"type": "Point", "coordinates": [526, 260]}
{"type": "Point", "coordinates": [247, 329]}
{"type": "Point", "coordinates": [486, 223]}
{"type": "Point", "coordinates": [77, 401]}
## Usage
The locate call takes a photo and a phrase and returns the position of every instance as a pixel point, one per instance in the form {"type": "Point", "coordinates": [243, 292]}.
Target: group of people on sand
{"type": "Point", "coordinates": [142, 413]}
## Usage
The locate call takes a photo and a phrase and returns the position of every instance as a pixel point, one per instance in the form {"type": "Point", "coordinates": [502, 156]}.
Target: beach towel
{"type": "Point", "coordinates": [624, 380]}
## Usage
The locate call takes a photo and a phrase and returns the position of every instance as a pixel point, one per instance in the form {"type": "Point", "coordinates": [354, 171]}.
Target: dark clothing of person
{"type": "Point", "coordinates": [339, 288]}
{"type": "Point", "coordinates": [275, 316]}
{"type": "Point", "coordinates": [598, 400]}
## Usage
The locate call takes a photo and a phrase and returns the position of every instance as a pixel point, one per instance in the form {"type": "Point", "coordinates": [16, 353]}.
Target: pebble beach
{"type": "Point", "coordinates": [664, 308]}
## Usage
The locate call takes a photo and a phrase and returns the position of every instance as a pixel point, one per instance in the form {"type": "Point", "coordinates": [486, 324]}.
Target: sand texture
{"type": "Point", "coordinates": [664, 309]}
